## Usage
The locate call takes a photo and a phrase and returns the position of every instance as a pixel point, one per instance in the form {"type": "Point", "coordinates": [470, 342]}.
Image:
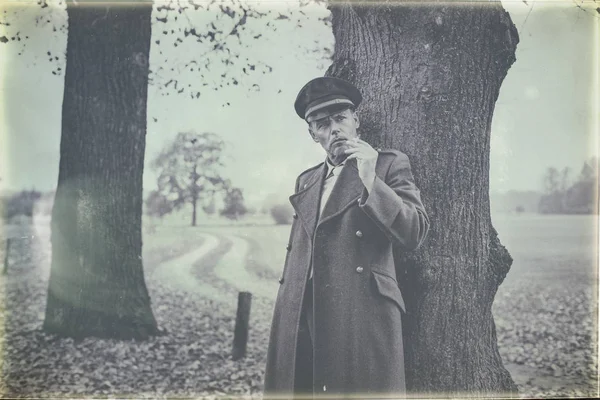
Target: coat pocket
{"type": "Point", "coordinates": [388, 287]}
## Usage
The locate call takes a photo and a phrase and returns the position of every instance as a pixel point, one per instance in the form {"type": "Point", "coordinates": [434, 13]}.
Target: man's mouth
{"type": "Point", "coordinates": [336, 141]}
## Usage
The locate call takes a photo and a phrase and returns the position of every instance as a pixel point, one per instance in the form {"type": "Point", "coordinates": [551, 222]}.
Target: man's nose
{"type": "Point", "coordinates": [335, 128]}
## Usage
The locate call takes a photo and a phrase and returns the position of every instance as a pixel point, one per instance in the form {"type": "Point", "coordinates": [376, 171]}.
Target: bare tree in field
{"type": "Point", "coordinates": [431, 75]}
{"type": "Point", "coordinates": [190, 171]}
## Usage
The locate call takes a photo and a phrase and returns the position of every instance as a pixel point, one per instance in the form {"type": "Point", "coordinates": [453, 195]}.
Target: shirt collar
{"type": "Point", "coordinates": [330, 166]}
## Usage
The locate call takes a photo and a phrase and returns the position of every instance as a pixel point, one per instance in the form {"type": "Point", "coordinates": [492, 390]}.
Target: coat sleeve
{"type": "Point", "coordinates": [395, 205]}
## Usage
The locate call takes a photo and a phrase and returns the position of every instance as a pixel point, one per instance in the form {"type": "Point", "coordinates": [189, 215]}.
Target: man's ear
{"type": "Point", "coordinates": [355, 115]}
{"type": "Point", "coordinates": [312, 134]}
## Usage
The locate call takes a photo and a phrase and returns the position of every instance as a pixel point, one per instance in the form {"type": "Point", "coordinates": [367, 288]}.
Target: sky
{"type": "Point", "coordinates": [544, 115]}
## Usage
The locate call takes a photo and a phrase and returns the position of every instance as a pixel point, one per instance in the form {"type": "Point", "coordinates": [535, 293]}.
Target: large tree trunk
{"type": "Point", "coordinates": [430, 75]}
{"type": "Point", "coordinates": [97, 283]}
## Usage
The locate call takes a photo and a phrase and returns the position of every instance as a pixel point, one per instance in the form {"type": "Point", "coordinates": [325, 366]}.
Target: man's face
{"type": "Point", "coordinates": [333, 131]}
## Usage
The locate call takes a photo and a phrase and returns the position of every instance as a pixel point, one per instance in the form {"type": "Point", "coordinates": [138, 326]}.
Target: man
{"type": "Point", "coordinates": [337, 324]}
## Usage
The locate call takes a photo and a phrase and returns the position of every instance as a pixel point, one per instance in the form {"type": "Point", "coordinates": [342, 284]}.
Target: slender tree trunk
{"type": "Point", "coordinates": [430, 75]}
{"type": "Point", "coordinates": [195, 190]}
{"type": "Point", "coordinates": [194, 207]}
{"type": "Point", "coordinates": [97, 283]}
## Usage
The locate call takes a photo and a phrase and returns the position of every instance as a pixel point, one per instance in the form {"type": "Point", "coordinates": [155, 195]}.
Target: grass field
{"type": "Point", "coordinates": [545, 313]}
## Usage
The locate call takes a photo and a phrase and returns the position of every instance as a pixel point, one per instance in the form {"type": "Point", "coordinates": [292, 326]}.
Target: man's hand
{"type": "Point", "coordinates": [366, 159]}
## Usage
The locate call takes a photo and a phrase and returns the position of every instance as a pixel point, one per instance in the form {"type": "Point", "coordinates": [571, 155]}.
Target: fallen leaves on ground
{"type": "Point", "coordinates": [546, 335]}
{"type": "Point", "coordinates": [192, 360]}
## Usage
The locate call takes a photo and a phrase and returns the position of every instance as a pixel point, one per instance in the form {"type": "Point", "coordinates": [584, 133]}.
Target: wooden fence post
{"type": "Point", "coordinates": [5, 271]}
{"type": "Point", "coordinates": [242, 319]}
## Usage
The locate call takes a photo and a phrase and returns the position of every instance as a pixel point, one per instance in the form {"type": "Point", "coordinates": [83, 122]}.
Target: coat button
{"type": "Point", "coordinates": [295, 216]}
{"type": "Point", "coordinates": [324, 388]}
{"type": "Point", "coordinates": [288, 247]}
{"type": "Point", "coordinates": [359, 234]}
{"type": "Point", "coordinates": [359, 270]}
{"type": "Point", "coordinates": [281, 280]}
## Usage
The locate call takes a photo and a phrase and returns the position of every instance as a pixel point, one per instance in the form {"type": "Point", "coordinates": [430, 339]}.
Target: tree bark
{"type": "Point", "coordinates": [97, 285]}
{"type": "Point", "coordinates": [430, 75]}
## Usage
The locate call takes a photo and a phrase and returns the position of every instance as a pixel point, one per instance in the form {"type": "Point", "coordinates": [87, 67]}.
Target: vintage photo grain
{"type": "Point", "coordinates": [299, 199]}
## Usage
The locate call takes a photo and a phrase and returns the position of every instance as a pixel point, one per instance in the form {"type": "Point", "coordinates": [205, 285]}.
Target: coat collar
{"type": "Point", "coordinates": [346, 191]}
{"type": "Point", "coordinates": [306, 200]}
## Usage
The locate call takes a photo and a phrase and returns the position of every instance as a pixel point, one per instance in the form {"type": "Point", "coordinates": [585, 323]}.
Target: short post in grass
{"type": "Point", "coordinates": [242, 319]}
{"type": "Point", "coordinates": [5, 270]}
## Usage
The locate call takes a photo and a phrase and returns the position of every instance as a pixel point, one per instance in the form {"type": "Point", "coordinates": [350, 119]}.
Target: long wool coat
{"type": "Point", "coordinates": [358, 305]}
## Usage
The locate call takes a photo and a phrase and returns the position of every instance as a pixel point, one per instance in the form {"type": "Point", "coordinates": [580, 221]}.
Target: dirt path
{"type": "Point", "coordinates": [233, 269]}
{"type": "Point", "coordinates": [178, 272]}
{"type": "Point", "coordinates": [230, 269]}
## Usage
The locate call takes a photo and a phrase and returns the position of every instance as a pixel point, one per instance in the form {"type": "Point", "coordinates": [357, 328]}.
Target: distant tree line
{"type": "Point", "coordinates": [563, 197]}
{"type": "Point", "coordinates": [21, 203]}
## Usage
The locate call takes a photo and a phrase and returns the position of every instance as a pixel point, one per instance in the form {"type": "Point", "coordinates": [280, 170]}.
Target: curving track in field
{"type": "Point", "coordinates": [217, 270]}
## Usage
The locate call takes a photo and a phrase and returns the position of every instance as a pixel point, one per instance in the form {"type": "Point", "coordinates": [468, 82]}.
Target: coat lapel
{"type": "Point", "coordinates": [346, 191]}
{"type": "Point", "coordinates": [306, 201]}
